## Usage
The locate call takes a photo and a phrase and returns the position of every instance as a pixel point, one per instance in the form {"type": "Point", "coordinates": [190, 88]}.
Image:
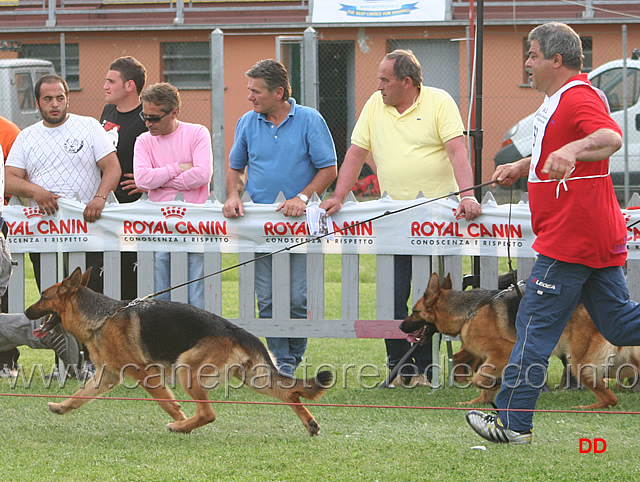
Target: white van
{"type": "Point", "coordinates": [17, 79]}
{"type": "Point", "coordinates": [608, 77]}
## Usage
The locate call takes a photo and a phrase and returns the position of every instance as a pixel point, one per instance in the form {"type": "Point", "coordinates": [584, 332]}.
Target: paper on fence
{"type": "Point", "coordinates": [318, 222]}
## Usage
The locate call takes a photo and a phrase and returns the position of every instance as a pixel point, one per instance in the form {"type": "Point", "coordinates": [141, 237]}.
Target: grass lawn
{"type": "Point", "coordinates": [369, 434]}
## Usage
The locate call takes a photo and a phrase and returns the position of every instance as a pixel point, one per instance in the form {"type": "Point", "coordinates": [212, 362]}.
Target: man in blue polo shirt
{"type": "Point", "coordinates": [284, 147]}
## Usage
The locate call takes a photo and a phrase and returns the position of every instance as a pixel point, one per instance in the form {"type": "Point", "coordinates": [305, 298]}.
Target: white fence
{"type": "Point", "coordinates": [403, 233]}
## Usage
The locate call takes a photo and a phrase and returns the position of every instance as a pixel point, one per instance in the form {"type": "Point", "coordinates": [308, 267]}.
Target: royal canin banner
{"type": "Point", "coordinates": [373, 227]}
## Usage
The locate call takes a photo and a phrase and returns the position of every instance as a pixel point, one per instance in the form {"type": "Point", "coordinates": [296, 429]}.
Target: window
{"type": "Point", "coordinates": [289, 53]}
{"type": "Point", "coordinates": [26, 98]}
{"type": "Point", "coordinates": [187, 65]}
{"type": "Point", "coordinates": [587, 52]}
{"type": "Point", "coordinates": [51, 52]}
{"type": "Point", "coordinates": [610, 82]}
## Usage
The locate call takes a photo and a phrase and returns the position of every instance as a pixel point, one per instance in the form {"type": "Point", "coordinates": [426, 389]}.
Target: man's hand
{"type": "Point", "coordinates": [94, 209]}
{"type": "Point", "coordinates": [292, 207]}
{"type": "Point", "coordinates": [47, 201]}
{"type": "Point", "coordinates": [233, 207]}
{"type": "Point", "coordinates": [468, 209]}
{"type": "Point", "coordinates": [507, 174]}
{"type": "Point", "coordinates": [560, 164]}
{"type": "Point", "coordinates": [130, 185]}
{"type": "Point", "coordinates": [331, 205]}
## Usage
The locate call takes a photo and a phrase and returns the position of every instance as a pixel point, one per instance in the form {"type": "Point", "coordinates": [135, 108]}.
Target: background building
{"type": "Point", "coordinates": [204, 48]}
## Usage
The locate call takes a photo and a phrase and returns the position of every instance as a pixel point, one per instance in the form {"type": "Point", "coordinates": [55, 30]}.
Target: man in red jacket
{"type": "Point", "coordinates": [570, 194]}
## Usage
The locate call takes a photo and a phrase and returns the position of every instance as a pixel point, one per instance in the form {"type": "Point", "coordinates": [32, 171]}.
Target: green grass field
{"type": "Point", "coordinates": [366, 433]}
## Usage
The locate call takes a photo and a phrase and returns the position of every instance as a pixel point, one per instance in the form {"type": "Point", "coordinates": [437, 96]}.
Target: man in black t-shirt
{"type": "Point", "coordinates": [121, 119]}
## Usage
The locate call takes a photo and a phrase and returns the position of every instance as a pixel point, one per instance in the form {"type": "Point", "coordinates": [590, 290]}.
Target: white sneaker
{"type": "Point", "coordinates": [6, 372]}
{"type": "Point", "coordinates": [490, 428]}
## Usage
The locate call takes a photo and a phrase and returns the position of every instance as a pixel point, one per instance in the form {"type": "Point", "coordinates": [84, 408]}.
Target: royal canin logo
{"type": "Point", "coordinates": [542, 284]}
{"type": "Point", "coordinates": [33, 212]}
{"type": "Point", "coordinates": [173, 212]}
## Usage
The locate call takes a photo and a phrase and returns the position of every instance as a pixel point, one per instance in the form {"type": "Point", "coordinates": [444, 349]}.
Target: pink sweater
{"type": "Point", "coordinates": [156, 163]}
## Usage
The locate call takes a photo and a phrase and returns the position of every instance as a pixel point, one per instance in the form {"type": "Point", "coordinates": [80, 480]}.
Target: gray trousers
{"type": "Point", "coordinates": [16, 330]}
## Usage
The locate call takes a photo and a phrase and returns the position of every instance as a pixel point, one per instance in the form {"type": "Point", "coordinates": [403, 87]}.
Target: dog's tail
{"type": "Point", "coordinates": [314, 388]}
{"type": "Point", "coordinates": [266, 379]}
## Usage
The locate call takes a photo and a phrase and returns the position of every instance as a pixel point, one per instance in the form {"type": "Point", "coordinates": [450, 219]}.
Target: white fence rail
{"type": "Point", "coordinates": [348, 325]}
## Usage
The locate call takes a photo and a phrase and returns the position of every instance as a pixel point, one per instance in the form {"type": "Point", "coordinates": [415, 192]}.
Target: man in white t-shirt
{"type": "Point", "coordinates": [64, 155]}
{"type": "Point", "coordinates": [15, 328]}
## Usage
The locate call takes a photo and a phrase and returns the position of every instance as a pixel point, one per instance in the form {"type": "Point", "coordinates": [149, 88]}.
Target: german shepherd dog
{"type": "Point", "coordinates": [146, 340]}
{"type": "Point", "coordinates": [485, 321]}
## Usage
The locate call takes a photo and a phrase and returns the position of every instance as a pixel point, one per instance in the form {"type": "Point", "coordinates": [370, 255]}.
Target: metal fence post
{"type": "Point", "coordinates": [51, 10]}
{"type": "Point", "coordinates": [63, 57]}
{"type": "Point", "coordinates": [310, 68]}
{"type": "Point", "coordinates": [179, 19]}
{"type": "Point", "coordinates": [217, 114]}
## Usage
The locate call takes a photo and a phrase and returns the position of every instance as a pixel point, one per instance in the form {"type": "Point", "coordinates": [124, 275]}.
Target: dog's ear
{"type": "Point", "coordinates": [71, 282]}
{"type": "Point", "coordinates": [433, 288]}
{"type": "Point", "coordinates": [86, 276]}
{"type": "Point", "coordinates": [446, 284]}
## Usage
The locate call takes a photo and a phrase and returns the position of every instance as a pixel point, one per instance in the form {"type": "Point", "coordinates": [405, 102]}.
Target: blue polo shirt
{"type": "Point", "coordinates": [284, 158]}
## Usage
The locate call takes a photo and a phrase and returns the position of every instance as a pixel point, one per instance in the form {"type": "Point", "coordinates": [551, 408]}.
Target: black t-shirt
{"type": "Point", "coordinates": [123, 128]}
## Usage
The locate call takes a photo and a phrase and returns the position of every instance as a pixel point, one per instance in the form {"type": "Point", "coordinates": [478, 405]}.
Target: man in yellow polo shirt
{"type": "Point", "coordinates": [415, 135]}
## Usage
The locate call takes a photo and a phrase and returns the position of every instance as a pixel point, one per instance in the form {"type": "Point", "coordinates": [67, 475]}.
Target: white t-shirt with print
{"type": "Point", "coordinates": [63, 159]}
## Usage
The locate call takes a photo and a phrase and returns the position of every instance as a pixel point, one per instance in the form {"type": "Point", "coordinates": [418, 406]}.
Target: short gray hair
{"type": "Point", "coordinates": [558, 38]}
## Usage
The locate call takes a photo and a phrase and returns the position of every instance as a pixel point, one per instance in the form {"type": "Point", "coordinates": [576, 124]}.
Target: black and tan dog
{"type": "Point", "coordinates": [485, 322]}
{"type": "Point", "coordinates": [153, 338]}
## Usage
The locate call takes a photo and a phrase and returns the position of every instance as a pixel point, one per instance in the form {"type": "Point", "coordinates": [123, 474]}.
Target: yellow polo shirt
{"type": "Point", "coordinates": [408, 148]}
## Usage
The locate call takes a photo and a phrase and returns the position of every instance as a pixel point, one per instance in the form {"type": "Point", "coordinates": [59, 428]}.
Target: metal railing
{"type": "Point", "coordinates": [54, 8]}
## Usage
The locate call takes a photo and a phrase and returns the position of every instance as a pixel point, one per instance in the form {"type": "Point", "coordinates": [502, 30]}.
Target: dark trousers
{"type": "Point", "coordinates": [553, 290]}
{"type": "Point", "coordinates": [94, 260]}
{"type": "Point", "coordinates": [421, 359]}
{"type": "Point", "coordinates": [128, 275]}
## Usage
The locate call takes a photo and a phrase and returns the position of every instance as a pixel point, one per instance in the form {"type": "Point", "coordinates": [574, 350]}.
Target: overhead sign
{"type": "Point", "coordinates": [358, 11]}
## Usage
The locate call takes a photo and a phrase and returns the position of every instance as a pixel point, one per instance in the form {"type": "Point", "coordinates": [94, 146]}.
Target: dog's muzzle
{"type": "Point", "coordinates": [48, 322]}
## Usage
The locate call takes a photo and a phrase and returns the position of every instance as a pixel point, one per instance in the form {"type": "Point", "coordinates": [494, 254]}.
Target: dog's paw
{"type": "Point", "coordinates": [58, 408]}
{"type": "Point", "coordinates": [176, 427]}
{"type": "Point", "coordinates": [313, 428]}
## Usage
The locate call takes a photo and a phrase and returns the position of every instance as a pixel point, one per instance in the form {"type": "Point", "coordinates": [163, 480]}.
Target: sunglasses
{"type": "Point", "coordinates": [153, 119]}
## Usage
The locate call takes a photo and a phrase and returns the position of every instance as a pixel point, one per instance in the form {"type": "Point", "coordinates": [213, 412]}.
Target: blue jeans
{"type": "Point", "coordinates": [162, 277]}
{"type": "Point", "coordinates": [553, 291]}
{"type": "Point", "coordinates": [287, 351]}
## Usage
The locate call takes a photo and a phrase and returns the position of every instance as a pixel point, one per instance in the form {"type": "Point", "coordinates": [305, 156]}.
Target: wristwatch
{"type": "Point", "coordinates": [304, 198]}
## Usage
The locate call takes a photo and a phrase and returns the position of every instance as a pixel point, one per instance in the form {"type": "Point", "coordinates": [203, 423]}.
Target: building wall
{"type": "Point", "coordinates": [505, 98]}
